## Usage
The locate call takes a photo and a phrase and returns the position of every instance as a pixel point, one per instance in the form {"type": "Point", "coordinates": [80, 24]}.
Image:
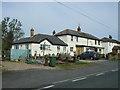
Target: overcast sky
{"type": "Point", "coordinates": [97, 18]}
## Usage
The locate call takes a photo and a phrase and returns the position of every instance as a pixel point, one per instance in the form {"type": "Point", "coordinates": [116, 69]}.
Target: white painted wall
{"type": "Point", "coordinates": [21, 46]}
{"type": "Point", "coordinates": [36, 48]}
{"type": "Point", "coordinates": [81, 41]}
{"type": "Point", "coordinates": [108, 46]}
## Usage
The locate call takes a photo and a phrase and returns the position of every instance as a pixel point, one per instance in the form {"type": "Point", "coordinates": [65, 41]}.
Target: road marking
{"type": "Point", "coordinates": [82, 76]}
{"type": "Point", "coordinates": [48, 86]}
{"type": "Point", "coordinates": [61, 81]}
{"type": "Point", "coordinates": [100, 74]}
{"type": "Point", "coordinates": [114, 70]}
{"type": "Point", "coordinates": [79, 79]}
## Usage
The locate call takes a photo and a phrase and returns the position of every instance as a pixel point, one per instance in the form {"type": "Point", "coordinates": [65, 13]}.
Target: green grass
{"type": "Point", "coordinates": [16, 61]}
{"type": "Point", "coordinates": [114, 59]}
{"type": "Point", "coordinates": [76, 65]}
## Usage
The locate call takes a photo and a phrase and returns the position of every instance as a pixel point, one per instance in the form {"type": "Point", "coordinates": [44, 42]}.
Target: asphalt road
{"type": "Point", "coordinates": [41, 78]}
{"type": "Point", "coordinates": [103, 80]}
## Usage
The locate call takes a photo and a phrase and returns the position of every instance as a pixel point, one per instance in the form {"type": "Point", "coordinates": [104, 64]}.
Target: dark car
{"type": "Point", "coordinates": [89, 55]}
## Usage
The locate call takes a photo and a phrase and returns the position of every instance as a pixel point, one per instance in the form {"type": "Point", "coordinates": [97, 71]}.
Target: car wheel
{"type": "Point", "coordinates": [91, 58]}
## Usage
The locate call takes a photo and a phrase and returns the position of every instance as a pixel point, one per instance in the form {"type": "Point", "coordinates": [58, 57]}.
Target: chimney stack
{"type": "Point", "coordinates": [54, 32]}
{"type": "Point", "coordinates": [110, 36]}
{"type": "Point", "coordinates": [31, 32]}
{"type": "Point", "coordinates": [79, 29]}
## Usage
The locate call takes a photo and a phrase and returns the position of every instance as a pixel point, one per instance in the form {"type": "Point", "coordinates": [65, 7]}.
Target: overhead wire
{"type": "Point", "coordinates": [83, 14]}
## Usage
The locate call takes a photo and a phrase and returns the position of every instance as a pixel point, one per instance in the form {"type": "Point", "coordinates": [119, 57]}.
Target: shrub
{"type": "Point", "coordinates": [113, 53]}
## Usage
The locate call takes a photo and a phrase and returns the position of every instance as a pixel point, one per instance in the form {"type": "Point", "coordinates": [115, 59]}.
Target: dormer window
{"type": "Point", "coordinates": [71, 38]}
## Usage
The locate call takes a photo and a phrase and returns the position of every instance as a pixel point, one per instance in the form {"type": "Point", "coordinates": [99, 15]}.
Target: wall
{"type": "Point", "coordinates": [53, 49]}
{"type": "Point", "coordinates": [108, 46]}
{"type": "Point", "coordinates": [22, 46]}
{"type": "Point", "coordinates": [35, 48]}
{"type": "Point", "coordinates": [81, 41]}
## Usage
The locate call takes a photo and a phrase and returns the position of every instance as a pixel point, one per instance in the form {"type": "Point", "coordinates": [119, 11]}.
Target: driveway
{"type": "Point", "coordinates": [41, 78]}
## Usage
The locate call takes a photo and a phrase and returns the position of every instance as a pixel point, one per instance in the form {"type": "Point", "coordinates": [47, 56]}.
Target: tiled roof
{"type": "Point", "coordinates": [76, 33]}
{"type": "Point", "coordinates": [116, 47]}
{"type": "Point", "coordinates": [40, 37]}
{"type": "Point", "coordinates": [110, 40]}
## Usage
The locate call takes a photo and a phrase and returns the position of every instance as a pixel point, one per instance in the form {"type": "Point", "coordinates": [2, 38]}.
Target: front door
{"type": "Point", "coordinates": [79, 50]}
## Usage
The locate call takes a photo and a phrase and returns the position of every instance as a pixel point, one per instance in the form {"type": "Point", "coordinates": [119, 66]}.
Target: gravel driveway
{"type": "Point", "coordinates": [15, 66]}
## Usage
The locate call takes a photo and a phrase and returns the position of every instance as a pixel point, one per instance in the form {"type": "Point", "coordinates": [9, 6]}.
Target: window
{"type": "Point", "coordinates": [98, 42]}
{"type": "Point", "coordinates": [64, 49]}
{"type": "Point", "coordinates": [44, 47]}
{"type": "Point", "coordinates": [95, 42]}
{"type": "Point", "coordinates": [58, 48]}
{"type": "Point", "coordinates": [27, 46]}
{"type": "Point", "coordinates": [77, 39]}
{"type": "Point", "coordinates": [71, 49]}
{"type": "Point", "coordinates": [47, 47]}
{"type": "Point", "coordinates": [71, 38]}
{"type": "Point", "coordinates": [16, 47]}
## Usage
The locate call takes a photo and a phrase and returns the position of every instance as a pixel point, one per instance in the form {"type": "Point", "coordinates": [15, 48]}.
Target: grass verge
{"type": "Point", "coordinates": [114, 59]}
{"type": "Point", "coordinates": [68, 66]}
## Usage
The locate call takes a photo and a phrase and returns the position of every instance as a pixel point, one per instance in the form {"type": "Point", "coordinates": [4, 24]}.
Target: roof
{"type": "Point", "coordinates": [110, 40]}
{"type": "Point", "coordinates": [54, 40]}
{"type": "Point", "coordinates": [116, 48]}
{"type": "Point", "coordinates": [76, 33]}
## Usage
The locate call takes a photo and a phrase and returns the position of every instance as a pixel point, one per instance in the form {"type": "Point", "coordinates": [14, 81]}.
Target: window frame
{"type": "Point", "coordinates": [77, 38]}
{"type": "Point", "coordinates": [95, 42]}
{"type": "Point", "coordinates": [16, 46]}
{"type": "Point", "coordinates": [71, 49]}
{"type": "Point", "coordinates": [71, 38]}
{"type": "Point", "coordinates": [58, 48]}
{"type": "Point", "coordinates": [27, 46]}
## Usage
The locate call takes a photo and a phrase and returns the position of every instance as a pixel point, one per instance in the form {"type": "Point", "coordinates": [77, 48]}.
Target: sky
{"type": "Point", "coordinates": [97, 18]}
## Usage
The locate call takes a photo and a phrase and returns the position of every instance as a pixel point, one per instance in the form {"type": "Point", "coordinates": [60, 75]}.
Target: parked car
{"type": "Point", "coordinates": [89, 55]}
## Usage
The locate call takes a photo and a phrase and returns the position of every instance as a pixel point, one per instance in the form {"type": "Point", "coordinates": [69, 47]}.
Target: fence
{"type": "Point", "coordinates": [19, 54]}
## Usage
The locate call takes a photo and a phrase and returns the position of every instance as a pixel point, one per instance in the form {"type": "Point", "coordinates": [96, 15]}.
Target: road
{"type": "Point", "coordinates": [42, 78]}
{"type": "Point", "coordinates": [103, 80]}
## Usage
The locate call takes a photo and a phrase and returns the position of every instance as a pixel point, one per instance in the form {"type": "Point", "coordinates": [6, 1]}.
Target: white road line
{"type": "Point", "coordinates": [83, 76]}
{"type": "Point", "coordinates": [48, 86]}
{"type": "Point", "coordinates": [100, 74]}
{"type": "Point", "coordinates": [79, 79]}
{"type": "Point", "coordinates": [61, 81]}
{"type": "Point", "coordinates": [114, 70]}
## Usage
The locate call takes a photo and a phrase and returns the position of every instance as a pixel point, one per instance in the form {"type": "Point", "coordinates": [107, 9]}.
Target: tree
{"type": "Point", "coordinates": [11, 30]}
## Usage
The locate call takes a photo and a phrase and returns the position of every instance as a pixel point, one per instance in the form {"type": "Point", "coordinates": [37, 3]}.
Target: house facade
{"type": "Point", "coordinates": [41, 44]}
{"type": "Point", "coordinates": [109, 44]}
{"type": "Point", "coordinates": [79, 42]}
{"type": "Point", "coordinates": [66, 41]}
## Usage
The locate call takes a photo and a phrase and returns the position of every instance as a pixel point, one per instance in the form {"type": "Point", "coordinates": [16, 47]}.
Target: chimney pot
{"type": "Point", "coordinates": [32, 32]}
{"type": "Point", "coordinates": [110, 36]}
{"type": "Point", "coordinates": [54, 32]}
{"type": "Point", "coordinates": [79, 29]}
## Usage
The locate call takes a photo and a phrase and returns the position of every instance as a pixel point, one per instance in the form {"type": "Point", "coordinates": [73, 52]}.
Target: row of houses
{"type": "Point", "coordinates": [66, 41]}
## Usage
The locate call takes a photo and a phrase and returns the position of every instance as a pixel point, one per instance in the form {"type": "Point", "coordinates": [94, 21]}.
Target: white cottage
{"type": "Point", "coordinates": [109, 43]}
{"type": "Point", "coordinates": [79, 42]}
{"type": "Point", "coordinates": [41, 44]}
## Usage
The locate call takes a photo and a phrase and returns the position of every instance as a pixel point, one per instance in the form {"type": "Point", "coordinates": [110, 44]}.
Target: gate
{"type": "Point", "coordinates": [20, 54]}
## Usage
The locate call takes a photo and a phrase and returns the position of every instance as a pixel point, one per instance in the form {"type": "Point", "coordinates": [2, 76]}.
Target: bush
{"type": "Point", "coordinates": [113, 53]}
{"type": "Point", "coordinates": [63, 56]}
